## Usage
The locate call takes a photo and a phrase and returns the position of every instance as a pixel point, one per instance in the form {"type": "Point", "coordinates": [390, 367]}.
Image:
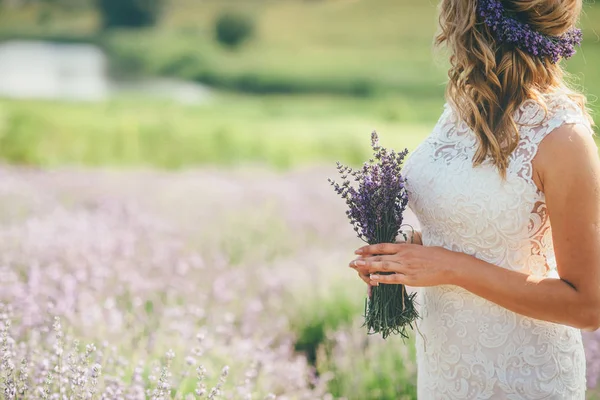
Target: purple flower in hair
{"type": "Point", "coordinates": [512, 31]}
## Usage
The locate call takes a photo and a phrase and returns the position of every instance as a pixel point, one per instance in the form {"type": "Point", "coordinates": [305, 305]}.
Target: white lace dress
{"type": "Point", "coordinates": [472, 348]}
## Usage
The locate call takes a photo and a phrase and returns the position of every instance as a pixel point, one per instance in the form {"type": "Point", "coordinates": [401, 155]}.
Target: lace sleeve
{"type": "Point", "coordinates": [536, 123]}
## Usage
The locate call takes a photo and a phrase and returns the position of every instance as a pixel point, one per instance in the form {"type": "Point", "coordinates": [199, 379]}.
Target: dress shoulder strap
{"type": "Point", "coordinates": [535, 123]}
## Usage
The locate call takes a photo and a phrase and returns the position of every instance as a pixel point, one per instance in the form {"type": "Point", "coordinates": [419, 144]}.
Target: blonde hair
{"type": "Point", "coordinates": [490, 80]}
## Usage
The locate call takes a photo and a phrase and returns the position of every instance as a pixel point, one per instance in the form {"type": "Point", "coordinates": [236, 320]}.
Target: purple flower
{"type": "Point", "coordinates": [377, 204]}
{"type": "Point", "coordinates": [375, 209]}
{"type": "Point", "coordinates": [512, 31]}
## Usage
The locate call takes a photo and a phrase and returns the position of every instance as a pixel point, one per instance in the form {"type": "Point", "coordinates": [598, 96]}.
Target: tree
{"type": "Point", "coordinates": [129, 13]}
{"type": "Point", "coordinates": [232, 28]}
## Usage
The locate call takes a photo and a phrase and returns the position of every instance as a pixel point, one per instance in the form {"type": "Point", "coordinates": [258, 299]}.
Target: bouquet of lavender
{"type": "Point", "coordinates": [375, 209]}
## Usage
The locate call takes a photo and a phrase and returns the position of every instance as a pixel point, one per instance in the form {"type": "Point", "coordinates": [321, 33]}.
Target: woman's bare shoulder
{"type": "Point", "coordinates": [566, 152]}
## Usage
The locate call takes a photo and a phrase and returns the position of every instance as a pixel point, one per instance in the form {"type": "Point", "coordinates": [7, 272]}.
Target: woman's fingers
{"type": "Point", "coordinates": [393, 279]}
{"type": "Point", "coordinates": [381, 248]}
{"type": "Point", "coordinates": [377, 264]}
{"type": "Point", "coordinates": [364, 277]}
{"type": "Point", "coordinates": [367, 267]}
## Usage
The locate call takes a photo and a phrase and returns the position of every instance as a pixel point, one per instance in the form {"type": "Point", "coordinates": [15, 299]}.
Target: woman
{"type": "Point", "coordinates": [507, 192]}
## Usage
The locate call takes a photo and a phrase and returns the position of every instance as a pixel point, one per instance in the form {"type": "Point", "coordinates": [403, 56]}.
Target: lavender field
{"type": "Point", "coordinates": [203, 284]}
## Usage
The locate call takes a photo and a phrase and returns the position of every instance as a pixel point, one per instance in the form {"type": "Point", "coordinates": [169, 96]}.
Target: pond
{"type": "Point", "coordinates": [78, 72]}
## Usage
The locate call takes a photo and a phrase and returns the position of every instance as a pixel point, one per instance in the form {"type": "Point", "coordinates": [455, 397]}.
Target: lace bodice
{"type": "Point", "coordinates": [472, 348]}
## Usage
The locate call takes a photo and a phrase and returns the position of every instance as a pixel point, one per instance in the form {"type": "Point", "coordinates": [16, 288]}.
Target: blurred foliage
{"type": "Point", "coordinates": [313, 318]}
{"type": "Point", "coordinates": [328, 328]}
{"type": "Point", "coordinates": [308, 56]}
{"type": "Point", "coordinates": [181, 55]}
{"type": "Point", "coordinates": [361, 48]}
{"type": "Point", "coordinates": [362, 366]}
{"type": "Point", "coordinates": [233, 28]}
{"type": "Point", "coordinates": [129, 13]}
{"type": "Point", "coordinates": [344, 48]}
{"type": "Point", "coordinates": [279, 131]}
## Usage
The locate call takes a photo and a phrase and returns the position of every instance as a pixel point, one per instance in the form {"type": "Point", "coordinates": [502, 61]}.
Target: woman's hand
{"type": "Point", "coordinates": [410, 264]}
{"type": "Point", "coordinates": [414, 237]}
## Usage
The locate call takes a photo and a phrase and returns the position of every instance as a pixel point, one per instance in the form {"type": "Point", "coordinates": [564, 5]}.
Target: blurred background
{"type": "Point", "coordinates": [164, 209]}
{"type": "Point", "coordinates": [173, 83]}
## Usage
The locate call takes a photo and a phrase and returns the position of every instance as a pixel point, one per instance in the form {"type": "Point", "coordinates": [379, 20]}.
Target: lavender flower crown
{"type": "Point", "coordinates": [510, 30]}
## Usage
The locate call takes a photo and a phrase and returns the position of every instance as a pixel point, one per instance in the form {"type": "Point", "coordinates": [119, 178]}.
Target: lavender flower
{"type": "Point", "coordinates": [376, 207]}
{"type": "Point", "coordinates": [375, 210]}
{"type": "Point", "coordinates": [95, 375]}
{"type": "Point", "coordinates": [200, 385]}
{"type": "Point", "coordinates": [6, 364]}
{"type": "Point", "coordinates": [23, 386]}
{"type": "Point", "coordinates": [512, 31]}
{"type": "Point", "coordinates": [216, 390]}
{"type": "Point", "coordinates": [123, 270]}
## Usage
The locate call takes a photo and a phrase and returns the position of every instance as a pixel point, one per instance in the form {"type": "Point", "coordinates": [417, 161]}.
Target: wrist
{"type": "Point", "coordinates": [412, 237]}
{"type": "Point", "coordinates": [418, 238]}
{"type": "Point", "coordinates": [455, 268]}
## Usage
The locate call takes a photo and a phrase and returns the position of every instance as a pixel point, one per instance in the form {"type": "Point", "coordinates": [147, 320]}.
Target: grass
{"type": "Point", "coordinates": [360, 366]}
{"type": "Point", "coordinates": [326, 311]}
{"type": "Point", "coordinates": [282, 131]}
